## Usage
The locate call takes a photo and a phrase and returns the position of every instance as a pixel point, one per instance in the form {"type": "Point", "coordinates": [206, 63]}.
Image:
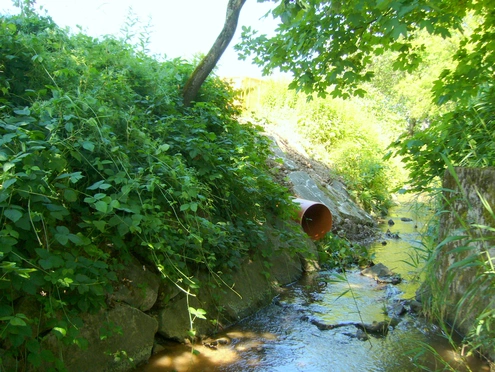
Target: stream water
{"type": "Point", "coordinates": [283, 336]}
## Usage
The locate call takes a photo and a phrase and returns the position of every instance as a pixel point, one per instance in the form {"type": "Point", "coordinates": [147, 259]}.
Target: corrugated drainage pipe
{"type": "Point", "coordinates": [315, 218]}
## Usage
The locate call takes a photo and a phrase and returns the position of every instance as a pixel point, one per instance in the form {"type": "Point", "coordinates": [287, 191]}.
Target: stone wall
{"type": "Point", "coordinates": [462, 280]}
{"type": "Point", "coordinates": [145, 305]}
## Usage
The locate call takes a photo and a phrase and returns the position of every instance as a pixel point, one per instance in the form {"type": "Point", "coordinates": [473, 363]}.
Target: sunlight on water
{"type": "Point", "coordinates": [284, 336]}
{"type": "Point", "coordinates": [410, 221]}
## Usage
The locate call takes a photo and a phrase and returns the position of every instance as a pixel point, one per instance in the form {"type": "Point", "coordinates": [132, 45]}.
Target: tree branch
{"type": "Point", "coordinates": [209, 62]}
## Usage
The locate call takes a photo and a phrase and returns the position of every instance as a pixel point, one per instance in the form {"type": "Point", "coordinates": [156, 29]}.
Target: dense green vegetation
{"type": "Point", "coordinates": [335, 252]}
{"type": "Point", "coordinates": [342, 49]}
{"type": "Point", "coordinates": [463, 136]}
{"type": "Point", "coordinates": [349, 136]}
{"type": "Point", "coordinates": [101, 162]}
{"type": "Point", "coordinates": [450, 259]}
{"type": "Point", "coordinates": [422, 72]}
{"type": "Point", "coordinates": [329, 46]}
{"type": "Point", "coordinates": [357, 136]}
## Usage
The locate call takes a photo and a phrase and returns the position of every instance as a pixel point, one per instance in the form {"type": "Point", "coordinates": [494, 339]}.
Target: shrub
{"type": "Point", "coordinates": [101, 162]}
{"type": "Point", "coordinates": [461, 137]}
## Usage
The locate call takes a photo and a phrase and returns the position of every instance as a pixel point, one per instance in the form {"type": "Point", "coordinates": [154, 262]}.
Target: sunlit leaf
{"type": "Point", "coordinates": [70, 195]}
{"type": "Point", "coordinates": [6, 184]}
{"type": "Point", "coordinates": [198, 313]}
{"type": "Point", "coordinates": [101, 206]}
{"type": "Point", "coordinates": [13, 214]}
{"type": "Point", "coordinates": [90, 146]}
{"type": "Point", "coordinates": [61, 332]}
{"type": "Point", "coordinates": [8, 166]}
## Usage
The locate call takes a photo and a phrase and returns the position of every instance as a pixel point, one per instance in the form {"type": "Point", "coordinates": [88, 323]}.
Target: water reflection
{"type": "Point", "coordinates": [409, 223]}
{"type": "Point", "coordinates": [179, 357]}
{"type": "Point", "coordinates": [283, 337]}
{"type": "Point", "coordinates": [280, 338]}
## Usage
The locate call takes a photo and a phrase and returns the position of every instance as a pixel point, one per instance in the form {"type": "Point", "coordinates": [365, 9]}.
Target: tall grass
{"type": "Point", "coordinates": [459, 277]}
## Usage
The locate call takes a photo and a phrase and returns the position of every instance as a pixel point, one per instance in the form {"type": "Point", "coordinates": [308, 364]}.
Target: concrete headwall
{"type": "Point", "coordinates": [462, 279]}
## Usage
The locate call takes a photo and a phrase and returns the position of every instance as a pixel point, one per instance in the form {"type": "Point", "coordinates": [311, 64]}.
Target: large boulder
{"type": "Point", "coordinates": [249, 291]}
{"type": "Point", "coordinates": [118, 339]}
{"type": "Point", "coordinates": [137, 286]}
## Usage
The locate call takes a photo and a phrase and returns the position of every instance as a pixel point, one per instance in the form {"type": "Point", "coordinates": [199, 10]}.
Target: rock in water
{"type": "Point", "coordinates": [381, 274]}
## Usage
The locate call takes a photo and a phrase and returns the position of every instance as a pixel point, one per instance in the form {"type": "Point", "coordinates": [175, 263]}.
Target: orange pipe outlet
{"type": "Point", "coordinates": [315, 218]}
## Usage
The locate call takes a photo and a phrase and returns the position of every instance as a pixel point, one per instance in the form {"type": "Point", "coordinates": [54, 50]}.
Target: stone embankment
{"type": "Point", "coordinates": [464, 276]}
{"type": "Point", "coordinates": [145, 307]}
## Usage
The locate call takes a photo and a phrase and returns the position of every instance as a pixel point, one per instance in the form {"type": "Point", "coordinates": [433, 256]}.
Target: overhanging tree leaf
{"type": "Point", "coordinates": [328, 45]}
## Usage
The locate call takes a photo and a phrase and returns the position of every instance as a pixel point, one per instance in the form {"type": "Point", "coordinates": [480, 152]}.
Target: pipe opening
{"type": "Point", "coordinates": [315, 218]}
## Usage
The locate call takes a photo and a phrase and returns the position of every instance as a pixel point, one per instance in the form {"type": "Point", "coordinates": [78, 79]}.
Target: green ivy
{"type": "Point", "coordinates": [101, 163]}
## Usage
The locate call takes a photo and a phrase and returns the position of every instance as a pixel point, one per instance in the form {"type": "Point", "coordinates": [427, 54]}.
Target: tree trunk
{"type": "Point", "coordinates": [210, 60]}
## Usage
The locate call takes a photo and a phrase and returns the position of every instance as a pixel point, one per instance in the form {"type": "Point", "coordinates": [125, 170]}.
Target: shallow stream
{"type": "Point", "coordinates": [283, 336]}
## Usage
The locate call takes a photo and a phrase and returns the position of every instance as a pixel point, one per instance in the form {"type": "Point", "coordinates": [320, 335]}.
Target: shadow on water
{"type": "Point", "coordinates": [284, 336]}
